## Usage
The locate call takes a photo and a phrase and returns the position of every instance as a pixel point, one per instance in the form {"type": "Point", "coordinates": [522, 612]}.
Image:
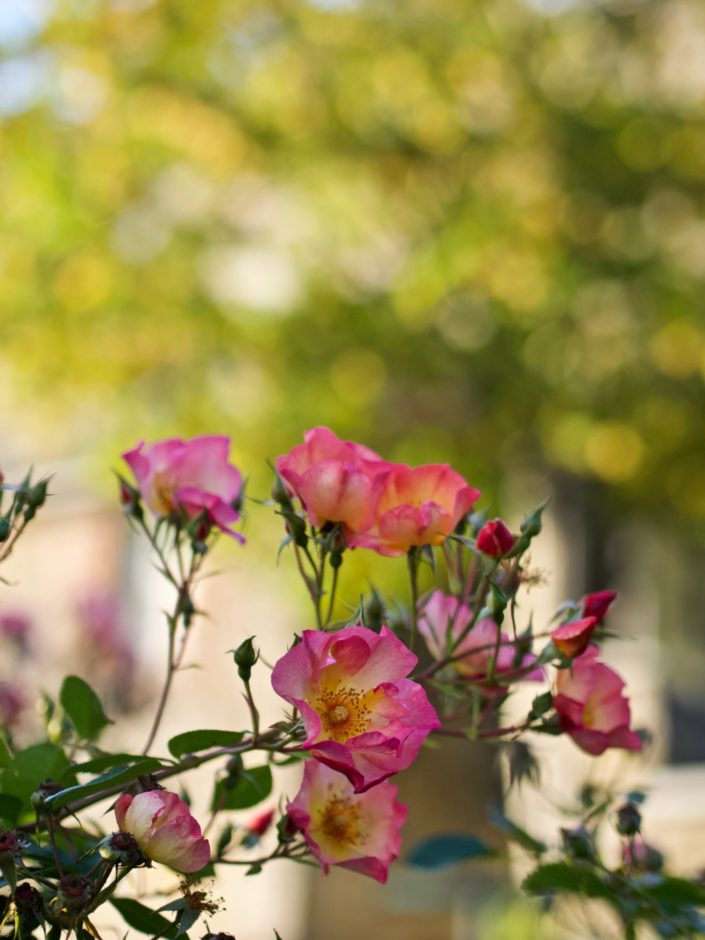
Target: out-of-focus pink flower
{"type": "Point", "coordinates": [16, 626]}
{"type": "Point", "coordinates": [362, 717]}
{"type": "Point", "coordinates": [591, 706]}
{"type": "Point", "coordinates": [12, 704]}
{"type": "Point", "coordinates": [357, 831]}
{"type": "Point", "coordinates": [164, 829]}
{"type": "Point", "coordinates": [415, 506]}
{"type": "Point", "coordinates": [494, 539]}
{"type": "Point", "coordinates": [596, 605]}
{"type": "Point", "coordinates": [572, 638]}
{"type": "Point", "coordinates": [443, 619]}
{"type": "Point", "coordinates": [99, 616]}
{"type": "Point", "coordinates": [191, 476]}
{"type": "Point", "coordinates": [334, 479]}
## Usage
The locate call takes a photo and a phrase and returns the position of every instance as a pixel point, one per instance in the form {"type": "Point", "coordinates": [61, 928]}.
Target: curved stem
{"type": "Point", "coordinates": [166, 688]}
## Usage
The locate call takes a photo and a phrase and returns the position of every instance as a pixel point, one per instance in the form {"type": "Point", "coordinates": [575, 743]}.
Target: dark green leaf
{"type": "Point", "coordinates": [10, 807]}
{"type": "Point", "coordinates": [142, 918]}
{"type": "Point", "coordinates": [560, 877]}
{"type": "Point", "coordinates": [251, 788]}
{"type": "Point", "coordinates": [191, 741]}
{"type": "Point", "coordinates": [676, 891]}
{"type": "Point", "coordinates": [5, 752]}
{"type": "Point", "coordinates": [113, 778]}
{"type": "Point", "coordinates": [83, 707]}
{"type": "Point", "coordinates": [105, 762]}
{"type": "Point", "coordinates": [447, 849]}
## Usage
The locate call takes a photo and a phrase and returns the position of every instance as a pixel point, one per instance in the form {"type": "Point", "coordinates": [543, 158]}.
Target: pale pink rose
{"type": "Point", "coordinates": [16, 626]}
{"type": "Point", "coordinates": [415, 506]}
{"type": "Point", "coordinates": [164, 829]}
{"type": "Point", "coordinates": [358, 831]}
{"type": "Point", "coordinates": [192, 476]}
{"type": "Point", "coordinates": [443, 619]}
{"type": "Point", "coordinates": [591, 706]}
{"type": "Point", "coordinates": [334, 479]}
{"type": "Point", "coordinates": [362, 717]}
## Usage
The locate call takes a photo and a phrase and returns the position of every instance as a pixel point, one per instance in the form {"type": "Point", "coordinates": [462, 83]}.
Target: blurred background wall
{"type": "Point", "coordinates": [464, 232]}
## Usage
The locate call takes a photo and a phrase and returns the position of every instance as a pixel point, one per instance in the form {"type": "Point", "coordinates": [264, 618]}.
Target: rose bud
{"type": "Point", "coordinates": [571, 639]}
{"type": "Point", "coordinates": [495, 539]}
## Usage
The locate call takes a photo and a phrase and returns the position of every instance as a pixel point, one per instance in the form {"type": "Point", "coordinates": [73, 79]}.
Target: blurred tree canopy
{"type": "Point", "coordinates": [460, 231]}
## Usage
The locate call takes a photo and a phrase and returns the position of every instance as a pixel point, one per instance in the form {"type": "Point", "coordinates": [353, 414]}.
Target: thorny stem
{"type": "Point", "coordinates": [270, 740]}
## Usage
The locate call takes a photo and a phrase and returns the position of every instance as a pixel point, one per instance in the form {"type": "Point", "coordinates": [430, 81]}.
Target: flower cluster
{"type": "Point", "coordinates": [386, 507]}
{"type": "Point", "coordinates": [363, 718]}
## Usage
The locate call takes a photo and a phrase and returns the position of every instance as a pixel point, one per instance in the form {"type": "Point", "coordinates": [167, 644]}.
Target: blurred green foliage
{"type": "Point", "coordinates": [461, 231]}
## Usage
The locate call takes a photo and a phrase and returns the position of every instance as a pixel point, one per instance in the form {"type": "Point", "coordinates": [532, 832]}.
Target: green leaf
{"type": "Point", "coordinates": [447, 849]}
{"type": "Point", "coordinates": [191, 741]}
{"type": "Point", "coordinates": [113, 778]}
{"type": "Point", "coordinates": [515, 832]}
{"type": "Point", "coordinates": [83, 707]}
{"type": "Point", "coordinates": [142, 918]}
{"type": "Point", "coordinates": [10, 807]}
{"type": "Point", "coordinates": [562, 878]}
{"type": "Point", "coordinates": [5, 752]}
{"type": "Point", "coordinates": [675, 891]}
{"type": "Point", "coordinates": [106, 761]}
{"type": "Point", "coordinates": [251, 788]}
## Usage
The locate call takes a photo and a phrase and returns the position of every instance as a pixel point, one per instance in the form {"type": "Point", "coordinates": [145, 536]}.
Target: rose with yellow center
{"type": "Point", "coordinates": [362, 716]}
{"type": "Point", "coordinates": [191, 477]}
{"type": "Point", "coordinates": [591, 705]}
{"type": "Point", "coordinates": [358, 831]}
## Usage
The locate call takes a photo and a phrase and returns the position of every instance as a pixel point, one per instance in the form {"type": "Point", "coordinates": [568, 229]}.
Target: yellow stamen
{"type": "Point", "coordinates": [344, 713]}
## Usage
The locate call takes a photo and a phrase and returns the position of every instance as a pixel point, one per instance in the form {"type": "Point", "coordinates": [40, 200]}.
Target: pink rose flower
{"type": "Point", "coordinates": [191, 476]}
{"type": "Point", "coordinates": [415, 506]}
{"type": "Point", "coordinates": [334, 479]}
{"type": "Point", "coordinates": [164, 829]}
{"type": "Point", "coordinates": [572, 638]}
{"type": "Point", "coordinates": [494, 539]}
{"type": "Point", "coordinates": [362, 717]}
{"type": "Point", "coordinates": [591, 706]}
{"type": "Point", "coordinates": [16, 626]}
{"type": "Point", "coordinates": [443, 619]}
{"type": "Point", "coordinates": [357, 831]}
{"type": "Point", "coordinates": [596, 605]}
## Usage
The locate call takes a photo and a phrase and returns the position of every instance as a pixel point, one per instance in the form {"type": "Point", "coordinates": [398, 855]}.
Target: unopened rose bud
{"type": "Point", "coordinates": [572, 639]}
{"type": "Point", "coordinates": [121, 848]}
{"type": "Point", "coordinates": [30, 907]}
{"type": "Point", "coordinates": [628, 820]}
{"type": "Point", "coordinates": [37, 494]}
{"type": "Point", "coordinates": [286, 830]}
{"type": "Point", "coordinates": [74, 893]}
{"type": "Point", "coordinates": [495, 539]}
{"type": "Point", "coordinates": [296, 527]}
{"type": "Point", "coordinates": [45, 789]}
{"type": "Point", "coordinates": [280, 494]}
{"type": "Point", "coordinates": [245, 657]}
{"type": "Point", "coordinates": [578, 843]}
{"type": "Point", "coordinates": [130, 500]}
{"type": "Point", "coordinates": [261, 823]}
{"type": "Point", "coordinates": [217, 936]}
